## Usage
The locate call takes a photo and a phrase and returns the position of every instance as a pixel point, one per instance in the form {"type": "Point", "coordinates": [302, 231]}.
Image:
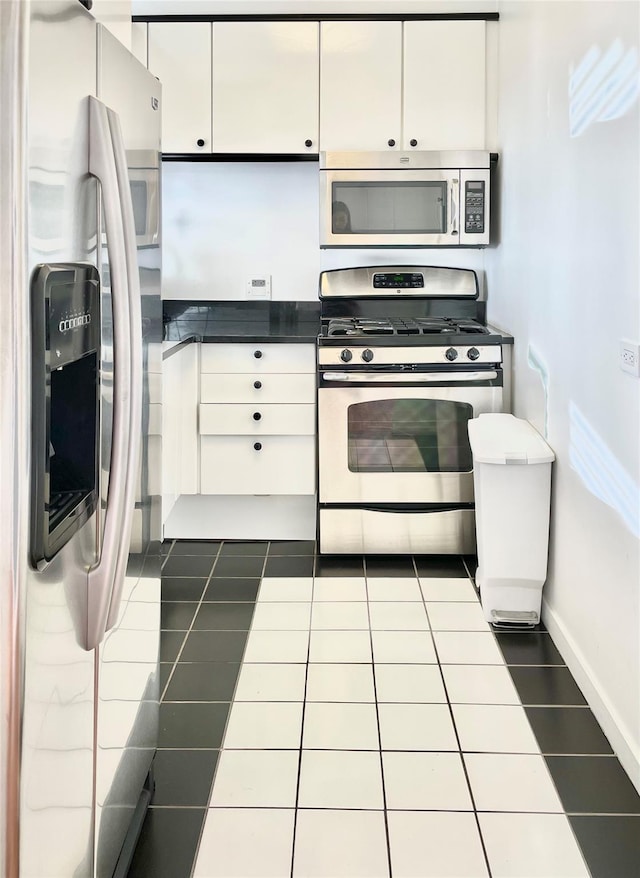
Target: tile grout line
{"type": "Point", "coordinates": [455, 731]}
{"type": "Point", "coordinates": [304, 710]}
{"type": "Point", "coordinates": [375, 696]}
{"type": "Point", "coordinates": [189, 630]}
{"type": "Point", "coordinates": [194, 861]}
{"type": "Point", "coordinates": [504, 664]}
{"type": "Point", "coordinates": [544, 756]}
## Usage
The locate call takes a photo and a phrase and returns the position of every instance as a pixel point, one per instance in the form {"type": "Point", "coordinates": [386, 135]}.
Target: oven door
{"type": "Point", "coordinates": [389, 208]}
{"type": "Point", "coordinates": [400, 443]}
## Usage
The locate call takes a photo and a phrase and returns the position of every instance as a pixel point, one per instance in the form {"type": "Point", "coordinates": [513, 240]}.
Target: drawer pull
{"type": "Point", "coordinates": [257, 354]}
{"type": "Point", "coordinates": [257, 384]}
{"type": "Point", "coordinates": [257, 416]}
{"type": "Point", "coordinates": [257, 446]}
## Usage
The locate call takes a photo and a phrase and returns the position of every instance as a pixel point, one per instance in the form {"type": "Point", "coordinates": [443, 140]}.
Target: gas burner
{"type": "Point", "coordinates": [354, 327]}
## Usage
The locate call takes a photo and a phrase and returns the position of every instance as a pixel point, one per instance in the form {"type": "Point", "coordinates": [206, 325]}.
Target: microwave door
{"type": "Point", "coordinates": [389, 208]}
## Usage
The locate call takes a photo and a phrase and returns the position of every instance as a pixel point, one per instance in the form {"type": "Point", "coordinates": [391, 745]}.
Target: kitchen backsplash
{"type": "Point", "coordinates": [225, 223]}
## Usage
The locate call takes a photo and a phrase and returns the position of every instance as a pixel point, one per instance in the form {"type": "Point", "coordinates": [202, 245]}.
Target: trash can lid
{"type": "Point", "coordinates": [498, 438]}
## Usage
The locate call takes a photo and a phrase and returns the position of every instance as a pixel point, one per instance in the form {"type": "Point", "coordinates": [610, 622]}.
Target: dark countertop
{"type": "Point", "coordinates": [216, 321]}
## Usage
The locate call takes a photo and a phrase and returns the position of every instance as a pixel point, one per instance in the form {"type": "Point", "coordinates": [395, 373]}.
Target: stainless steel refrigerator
{"type": "Point", "coordinates": [80, 443]}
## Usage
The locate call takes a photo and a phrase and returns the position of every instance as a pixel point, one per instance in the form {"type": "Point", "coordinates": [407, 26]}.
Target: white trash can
{"type": "Point", "coordinates": [512, 482]}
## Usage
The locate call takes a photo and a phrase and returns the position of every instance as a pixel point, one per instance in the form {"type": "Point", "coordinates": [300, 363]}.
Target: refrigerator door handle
{"type": "Point", "coordinates": [101, 575]}
{"type": "Point", "coordinates": [135, 349]}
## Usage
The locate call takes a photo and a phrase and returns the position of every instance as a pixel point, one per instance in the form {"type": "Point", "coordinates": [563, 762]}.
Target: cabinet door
{"type": "Point", "coordinates": [180, 56]}
{"type": "Point", "coordinates": [360, 85]}
{"type": "Point", "coordinates": [258, 359]}
{"type": "Point", "coordinates": [265, 87]}
{"type": "Point", "coordinates": [257, 389]}
{"type": "Point", "coordinates": [268, 465]}
{"type": "Point", "coordinates": [444, 84]}
{"type": "Point", "coordinates": [257, 420]}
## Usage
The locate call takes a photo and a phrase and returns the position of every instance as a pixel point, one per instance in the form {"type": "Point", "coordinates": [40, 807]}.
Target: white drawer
{"type": "Point", "coordinates": [254, 388]}
{"type": "Point", "coordinates": [257, 358]}
{"type": "Point", "coordinates": [257, 420]}
{"type": "Point", "coordinates": [281, 465]}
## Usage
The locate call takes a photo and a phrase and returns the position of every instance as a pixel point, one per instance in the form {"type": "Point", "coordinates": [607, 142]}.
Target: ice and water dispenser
{"type": "Point", "coordinates": [65, 309]}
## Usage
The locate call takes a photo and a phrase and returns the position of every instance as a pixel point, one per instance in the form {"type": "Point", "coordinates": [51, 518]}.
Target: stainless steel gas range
{"type": "Point", "coordinates": [405, 359]}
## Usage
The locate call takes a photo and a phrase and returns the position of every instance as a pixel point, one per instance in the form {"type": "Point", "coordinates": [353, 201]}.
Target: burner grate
{"type": "Point", "coordinates": [354, 327]}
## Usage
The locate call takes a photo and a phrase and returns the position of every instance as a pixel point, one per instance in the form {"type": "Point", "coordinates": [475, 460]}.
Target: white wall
{"type": "Point", "coordinates": [115, 15]}
{"type": "Point", "coordinates": [226, 221]}
{"type": "Point", "coordinates": [565, 281]}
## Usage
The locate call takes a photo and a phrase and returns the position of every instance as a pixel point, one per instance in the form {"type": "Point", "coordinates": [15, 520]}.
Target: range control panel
{"type": "Point", "coordinates": [474, 207]}
{"type": "Point", "coordinates": [398, 280]}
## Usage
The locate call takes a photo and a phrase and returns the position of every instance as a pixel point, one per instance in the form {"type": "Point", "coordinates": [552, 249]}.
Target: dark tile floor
{"type": "Point", "coordinates": [209, 592]}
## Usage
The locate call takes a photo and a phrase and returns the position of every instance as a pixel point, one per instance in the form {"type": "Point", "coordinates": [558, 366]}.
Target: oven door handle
{"type": "Point", "coordinates": [409, 377]}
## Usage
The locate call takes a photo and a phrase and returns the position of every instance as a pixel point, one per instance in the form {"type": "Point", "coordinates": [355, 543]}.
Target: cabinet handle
{"type": "Point", "coordinates": [257, 416]}
{"type": "Point", "coordinates": [200, 142]}
{"type": "Point", "coordinates": [413, 142]}
{"type": "Point", "coordinates": [257, 446]}
{"type": "Point", "coordinates": [391, 142]}
{"type": "Point", "coordinates": [257, 384]}
{"type": "Point", "coordinates": [308, 143]}
{"type": "Point", "coordinates": [257, 354]}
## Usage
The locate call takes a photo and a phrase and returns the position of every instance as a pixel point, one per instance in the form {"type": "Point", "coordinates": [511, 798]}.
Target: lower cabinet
{"type": "Point", "coordinates": [256, 445]}
{"type": "Point", "coordinates": [257, 419]}
{"type": "Point", "coordinates": [252, 465]}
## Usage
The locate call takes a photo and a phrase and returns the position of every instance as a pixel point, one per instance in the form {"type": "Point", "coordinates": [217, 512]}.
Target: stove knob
{"type": "Point", "coordinates": [473, 353]}
{"type": "Point", "coordinates": [451, 354]}
{"type": "Point", "coordinates": [346, 355]}
{"type": "Point", "coordinates": [367, 355]}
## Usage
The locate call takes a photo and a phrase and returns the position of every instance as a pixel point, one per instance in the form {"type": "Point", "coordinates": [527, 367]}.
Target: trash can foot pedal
{"type": "Point", "coordinates": [514, 618]}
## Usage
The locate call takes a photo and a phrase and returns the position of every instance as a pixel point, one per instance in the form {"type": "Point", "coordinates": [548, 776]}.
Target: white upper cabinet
{"type": "Point", "coordinates": [296, 87]}
{"type": "Point", "coordinates": [360, 85]}
{"type": "Point", "coordinates": [180, 56]}
{"type": "Point", "coordinates": [444, 95]}
{"type": "Point", "coordinates": [385, 85]}
{"type": "Point", "coordinates": [265, 87]}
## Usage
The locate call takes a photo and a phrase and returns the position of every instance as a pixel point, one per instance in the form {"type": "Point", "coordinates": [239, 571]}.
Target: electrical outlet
{"type": "Point", "coordinates": [630, 357]}
{"type": "Point", "coordinates": [259, 286]}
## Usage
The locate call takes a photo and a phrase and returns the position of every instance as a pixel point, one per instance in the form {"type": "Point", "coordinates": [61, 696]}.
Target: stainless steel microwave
{"type": "Point", "coordinates": [405, 199]}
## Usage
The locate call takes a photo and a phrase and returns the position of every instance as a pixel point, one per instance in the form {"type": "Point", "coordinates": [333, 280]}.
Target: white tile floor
{"type": "Point", "coordinates": [375, 731]}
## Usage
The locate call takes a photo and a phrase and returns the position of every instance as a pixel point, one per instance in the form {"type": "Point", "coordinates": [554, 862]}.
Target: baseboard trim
{"type": "Point", "coordinates": [620, 737]}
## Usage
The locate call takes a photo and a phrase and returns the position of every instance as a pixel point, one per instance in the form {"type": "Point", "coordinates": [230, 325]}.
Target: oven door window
{"type": "Point", "coordinates": [389, 208]}
{"type": "Point", "coordinates": [409, 436]}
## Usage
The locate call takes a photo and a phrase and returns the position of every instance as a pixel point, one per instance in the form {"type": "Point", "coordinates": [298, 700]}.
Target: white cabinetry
{"type": "Point", "coordinates": [444, 95]}
{"type": "Point", "coordinates": [360, 85]}
{"type": "Point", "coordinates": [412, 85]}
{"type": "Point", "coordinates": [295, 87]}
{"type": "Point", "coordinates": [179, 424]}
{"type": "Point", "coordinates": [257, 419]}
{"type": "Point", "coordinates": [265, 87]}
{"type": "Point", "coordinates": [180, 56]}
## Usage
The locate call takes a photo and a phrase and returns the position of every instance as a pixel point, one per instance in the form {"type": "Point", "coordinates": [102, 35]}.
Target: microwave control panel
{"type": "Point", "coordinates": [474, 207]}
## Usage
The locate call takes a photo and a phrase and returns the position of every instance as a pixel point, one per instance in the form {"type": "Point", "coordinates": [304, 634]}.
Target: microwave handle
{"type": "Point", "coordinates": [454, 206]}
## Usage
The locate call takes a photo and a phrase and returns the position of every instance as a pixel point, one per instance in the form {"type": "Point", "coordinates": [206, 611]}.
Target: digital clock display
{"type": "Point", "coordinates": [398, 281]}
